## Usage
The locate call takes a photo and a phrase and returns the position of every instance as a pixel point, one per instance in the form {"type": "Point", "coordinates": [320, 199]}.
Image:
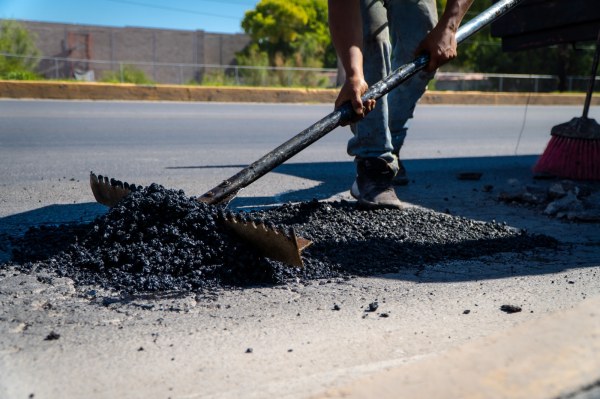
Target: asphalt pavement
{"type": "Point", "coordinates": [61, 340]}
{"type": "Point", "coordinates": [193, 146]}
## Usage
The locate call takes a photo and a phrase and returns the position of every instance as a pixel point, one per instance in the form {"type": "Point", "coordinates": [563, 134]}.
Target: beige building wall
{"type": "Point", "coordinates": [104, 49]}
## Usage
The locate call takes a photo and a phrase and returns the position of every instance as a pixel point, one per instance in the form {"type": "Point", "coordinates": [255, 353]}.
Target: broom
{"type": "Point", "coordinates": [573, 152]}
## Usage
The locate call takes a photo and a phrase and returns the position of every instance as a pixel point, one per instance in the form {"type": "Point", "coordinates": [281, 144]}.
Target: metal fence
{"type": "Point", "coordinates": [493, 82]}
{"type": "Point", "coordinates": [238, 75]}
{"type": "Point", "coordinates": [180, 73]}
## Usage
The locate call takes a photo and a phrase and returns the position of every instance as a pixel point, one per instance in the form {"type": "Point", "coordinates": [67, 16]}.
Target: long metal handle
{"type": "Point", "coordinates": [591, 83]}
{"type": "Point", "coordinates": [225, 191]}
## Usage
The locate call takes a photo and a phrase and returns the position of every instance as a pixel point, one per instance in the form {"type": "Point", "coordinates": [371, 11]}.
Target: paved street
{"type": "Point", "coordinates": [194, 346]}
{"type": "Point", "coordinates": [193, 146]}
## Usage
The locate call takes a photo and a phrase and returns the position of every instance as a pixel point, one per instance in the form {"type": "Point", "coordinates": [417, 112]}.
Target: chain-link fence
{"type": "Point", "coordinates": [177, 73]}
{"type": "Point", "coordinates": [237, 75]}
{"type": "Point", "coordinates": [492, 82]}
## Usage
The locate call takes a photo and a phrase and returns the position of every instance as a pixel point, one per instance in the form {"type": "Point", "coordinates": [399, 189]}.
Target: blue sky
{"type": "Point", "coordinates": [222, 16]}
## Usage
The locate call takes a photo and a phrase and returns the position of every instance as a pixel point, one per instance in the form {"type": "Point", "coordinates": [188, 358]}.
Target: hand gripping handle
{"type": "Point", "coordinates": [229, 188]}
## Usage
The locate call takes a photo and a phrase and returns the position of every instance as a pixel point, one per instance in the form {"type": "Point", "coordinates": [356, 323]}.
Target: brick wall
{"type": "Point", "coordinates": [106, 47]}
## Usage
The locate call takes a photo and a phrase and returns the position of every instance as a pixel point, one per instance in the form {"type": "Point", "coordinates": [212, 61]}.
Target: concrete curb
{"type": "Point", "coordinates": [108, 91]}
{"type": "Point", "coordinates": [557, 355]}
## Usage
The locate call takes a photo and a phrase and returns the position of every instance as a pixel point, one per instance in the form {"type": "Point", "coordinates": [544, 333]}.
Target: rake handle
{"type": "Point", "coordinates": [229, 188]}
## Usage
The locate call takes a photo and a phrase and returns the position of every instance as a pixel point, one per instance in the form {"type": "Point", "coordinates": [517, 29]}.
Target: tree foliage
{"type": "Point", "coordinates": [290, 33]}
{"type": "Point", "coordinates": [295, 33]}
{"type": "Point", "coordinates": [17, 51]}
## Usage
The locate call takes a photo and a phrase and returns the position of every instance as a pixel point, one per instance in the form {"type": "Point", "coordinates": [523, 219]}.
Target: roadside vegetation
{"type": "Point", "coordinates": [290, 42]}
{"type": "Point", "coordinates": [127, 74]}
{"type": "Point", "coordinates": [18, 41]}
{"type": "Point", "coordinates": [294, 33]}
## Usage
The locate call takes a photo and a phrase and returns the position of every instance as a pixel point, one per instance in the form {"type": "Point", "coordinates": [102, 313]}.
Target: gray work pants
{"type": "Point", "coordinates": [392, 29]}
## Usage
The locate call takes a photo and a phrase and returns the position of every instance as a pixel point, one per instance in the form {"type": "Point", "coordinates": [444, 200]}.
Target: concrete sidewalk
{"type": "Point", "coordinates": [557, 356]}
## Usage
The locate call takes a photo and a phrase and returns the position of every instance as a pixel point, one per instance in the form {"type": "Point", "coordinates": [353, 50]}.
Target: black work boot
{"type": "Point", "coordinates": [373, 185]}
{"type": "Point", "coordinates": [401, 178]}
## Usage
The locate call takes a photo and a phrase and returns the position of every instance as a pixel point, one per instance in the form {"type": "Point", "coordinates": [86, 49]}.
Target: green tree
{"type": "Point", "coordinates": [17, 51]}
{"type": "Point", "coordinates": [290, 32]}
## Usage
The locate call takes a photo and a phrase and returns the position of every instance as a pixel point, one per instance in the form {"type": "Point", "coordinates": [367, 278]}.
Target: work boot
{"type": "Point", "coordinates": [401, 178]}
{"type": "Point", "coordinates": [373, 185]}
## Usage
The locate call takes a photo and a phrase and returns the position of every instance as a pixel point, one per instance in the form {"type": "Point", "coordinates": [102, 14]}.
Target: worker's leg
{"type": "Point", "coordinates": [371, 137]}
{"type": "Point", "coordinates": [410, 21]}
{"type": "Point", "coordinates": [371, 144]}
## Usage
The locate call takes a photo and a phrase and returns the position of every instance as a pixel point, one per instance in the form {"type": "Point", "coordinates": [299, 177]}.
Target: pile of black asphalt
{"type": "Point", "coordinates": [158, 239]}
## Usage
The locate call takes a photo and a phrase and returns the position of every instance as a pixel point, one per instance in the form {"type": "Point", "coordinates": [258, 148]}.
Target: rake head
{"type": "Point", "coordinates": [273, 242]}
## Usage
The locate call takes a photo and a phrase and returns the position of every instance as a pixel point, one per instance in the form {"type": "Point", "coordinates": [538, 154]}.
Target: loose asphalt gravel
{"type": "Point", "coordinates": [158, 239]}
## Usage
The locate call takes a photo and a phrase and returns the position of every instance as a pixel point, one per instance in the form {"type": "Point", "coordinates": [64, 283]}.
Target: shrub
{"type": "Point", "coordinates": [20, 75]}
{"type": "Point", "coordinates": [127, 74]}
{"type": "Point", "coordinates": [19, 46]}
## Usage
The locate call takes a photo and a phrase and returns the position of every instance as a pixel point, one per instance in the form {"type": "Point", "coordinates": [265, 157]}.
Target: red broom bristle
{"type": "Point", "coordinates": [570, 158]}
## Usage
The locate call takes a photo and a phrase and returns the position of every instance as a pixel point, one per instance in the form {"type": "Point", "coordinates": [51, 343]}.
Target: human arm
{"type": "Point", "coordinates": [345, 26]}
{"type": "Point", "coordinates": [440, 43]}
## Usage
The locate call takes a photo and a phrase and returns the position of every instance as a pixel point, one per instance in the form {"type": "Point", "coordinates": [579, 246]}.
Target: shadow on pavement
{"type": "Point", "coordinates": [428, 176]}
{"type": "Point", "coordinates": [62, 217]}
{"type": "Point", "coordinates": [470, 260]}
{"type": "Point", "coordinates": [51, 215]}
